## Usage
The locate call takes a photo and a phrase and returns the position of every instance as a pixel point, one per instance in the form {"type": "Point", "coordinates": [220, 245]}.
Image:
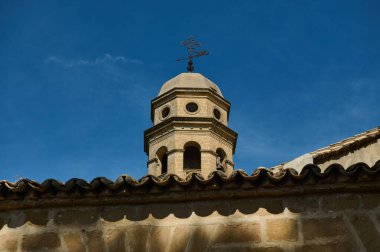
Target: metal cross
{"type": "Point", "coordinates": [191, 44]}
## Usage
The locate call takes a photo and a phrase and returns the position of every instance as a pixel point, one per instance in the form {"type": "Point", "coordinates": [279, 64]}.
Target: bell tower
{"type": "Point", "coordinates": [190, 130]}
{"type": "Point", "coordinates": [190, 125]}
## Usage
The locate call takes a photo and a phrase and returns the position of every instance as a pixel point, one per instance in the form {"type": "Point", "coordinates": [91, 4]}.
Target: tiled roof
{"type": "Point", "coordinates": [169, 188]}
{"type": "Point", "coordinates": [336, 150]}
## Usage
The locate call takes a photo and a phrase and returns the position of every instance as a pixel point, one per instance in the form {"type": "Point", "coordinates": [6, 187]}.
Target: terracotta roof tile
{"type": "Point", "coordinates": [341, 148]}
{"type": "Point", "coordinates": [25, 192]}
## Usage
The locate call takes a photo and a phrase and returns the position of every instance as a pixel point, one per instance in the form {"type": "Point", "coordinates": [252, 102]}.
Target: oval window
{"type": "Point", "coordinates": [165, 112]}
{"type": "Point", "coordinates": [191, 107]}
{"type": "Point", "coordinates": [217, 114]}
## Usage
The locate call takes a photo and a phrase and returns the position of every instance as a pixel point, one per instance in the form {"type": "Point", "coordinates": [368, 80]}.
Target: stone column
{"type": "Point", "coordinates": [208, 163]}
{"type": "Point", "coordinates": [153, 168]}
{"type": "Point", "coordinates": [175, 162]}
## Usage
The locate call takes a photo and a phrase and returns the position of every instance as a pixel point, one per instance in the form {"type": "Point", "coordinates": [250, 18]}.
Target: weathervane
{"type": "Point", "coordinates": [191, 44]}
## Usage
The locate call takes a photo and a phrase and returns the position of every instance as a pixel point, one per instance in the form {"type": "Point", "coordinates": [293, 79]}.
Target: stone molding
{"type": "Point", "coordinates": [175, 150]}
{"type": "Point", "coordinates": [174, 123]}
{"type": "Point", "coordinates": [188, 93]}
{"type": "Point", "coordinates": [153, 160]}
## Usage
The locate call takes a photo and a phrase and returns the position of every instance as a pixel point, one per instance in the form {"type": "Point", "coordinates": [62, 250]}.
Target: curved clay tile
{"type": "Point", "coordinates": [126, 186]}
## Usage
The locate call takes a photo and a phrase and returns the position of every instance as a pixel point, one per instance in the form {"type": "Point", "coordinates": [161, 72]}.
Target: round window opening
{"type": "Point", "coordinates": [217, 114]}
{"type": "Point", "coordinates": [191, 107]}
{"type": "Point", "coordinates": [165, 112]}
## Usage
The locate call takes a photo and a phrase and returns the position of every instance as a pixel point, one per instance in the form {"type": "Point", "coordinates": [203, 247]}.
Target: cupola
{"type": "Point", "coordinates": [190, 128]}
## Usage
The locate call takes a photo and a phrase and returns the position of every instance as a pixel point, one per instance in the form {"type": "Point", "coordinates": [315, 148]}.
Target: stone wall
{"type": "Point", "coordinates": [312, 222]}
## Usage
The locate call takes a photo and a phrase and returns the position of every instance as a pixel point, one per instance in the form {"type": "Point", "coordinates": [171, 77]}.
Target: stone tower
{"type": "Point", "coordinates": [190, 128]}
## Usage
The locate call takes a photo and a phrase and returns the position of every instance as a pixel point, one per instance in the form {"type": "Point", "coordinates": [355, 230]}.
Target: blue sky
{"type": "Point", "coordinates": [77, 78]}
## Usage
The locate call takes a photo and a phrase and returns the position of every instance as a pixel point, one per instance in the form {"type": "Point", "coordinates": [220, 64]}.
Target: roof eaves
{"type": "Point", "coordinates": [262, 182]}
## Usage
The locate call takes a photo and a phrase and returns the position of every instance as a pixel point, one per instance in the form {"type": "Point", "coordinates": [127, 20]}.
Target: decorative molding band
{"type": "Point", "coordinates": [175, 150]}
{"type": "Point", "coordinates": [153, 160]}
{"type": "Point", "coordinates": [210, 151]}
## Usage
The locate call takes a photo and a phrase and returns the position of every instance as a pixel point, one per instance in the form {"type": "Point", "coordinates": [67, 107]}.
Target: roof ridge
{"type": "Point", "coordinates": [356, 141]}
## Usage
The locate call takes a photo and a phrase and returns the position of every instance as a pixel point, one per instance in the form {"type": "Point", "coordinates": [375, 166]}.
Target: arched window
{"type": "Point", "coordinates": [163, 159]}
{"type": "Point", "coordinates": [192, 156]}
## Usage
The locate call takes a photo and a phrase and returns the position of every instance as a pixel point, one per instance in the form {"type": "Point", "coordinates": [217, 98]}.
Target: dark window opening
{"type": "Point", "coordinates": [192, 158]}
{"type": "Point", "coordinates": [217, 114]}
{"type": "Point", "coordinates": [165, 112]}
{"type": "Point", "coordinates": [191, 107]}
{"type": "Point", "coordinates": [220, 159]}
{"type": "Point", "coordinates": [164, 163]}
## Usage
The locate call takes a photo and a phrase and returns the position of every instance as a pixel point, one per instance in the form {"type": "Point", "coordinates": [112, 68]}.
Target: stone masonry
{"type": "Point", "coordinates": [174, 126]}
{"type": "Point", "coordinates": [321, 222]}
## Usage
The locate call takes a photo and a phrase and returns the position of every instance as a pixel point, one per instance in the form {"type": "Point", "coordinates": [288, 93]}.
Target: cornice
{"type": "Point", "coordinates": [173, 122]}
{"type": "Point", "coordinates": [190, 92]}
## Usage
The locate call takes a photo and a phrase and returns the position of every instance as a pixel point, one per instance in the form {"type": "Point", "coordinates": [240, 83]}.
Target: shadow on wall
{"type": "Point", "coordinates": [333, 222]}
{"type": "Point", "coordinates": [187, 226]}
{"type": "Point", "coordinates": [90, 215]}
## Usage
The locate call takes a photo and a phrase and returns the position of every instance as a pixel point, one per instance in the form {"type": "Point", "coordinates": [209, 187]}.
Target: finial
{"type": "Point", "coordinates": [191, 44]}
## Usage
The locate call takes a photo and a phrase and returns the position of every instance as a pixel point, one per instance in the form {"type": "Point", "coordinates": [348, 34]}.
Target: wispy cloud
{"type": "Point", "coordinates": [107, 76]}
{"type": "Point", "coordinates": [106, 59]}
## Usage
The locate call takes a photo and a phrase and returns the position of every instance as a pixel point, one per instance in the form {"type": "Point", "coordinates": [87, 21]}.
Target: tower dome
{"type": "Point", "coordinates": [189, 81]}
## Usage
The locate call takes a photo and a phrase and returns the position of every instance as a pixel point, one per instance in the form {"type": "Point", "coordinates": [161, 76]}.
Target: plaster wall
{"type": "Point", "coordinates": [369, 155]}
